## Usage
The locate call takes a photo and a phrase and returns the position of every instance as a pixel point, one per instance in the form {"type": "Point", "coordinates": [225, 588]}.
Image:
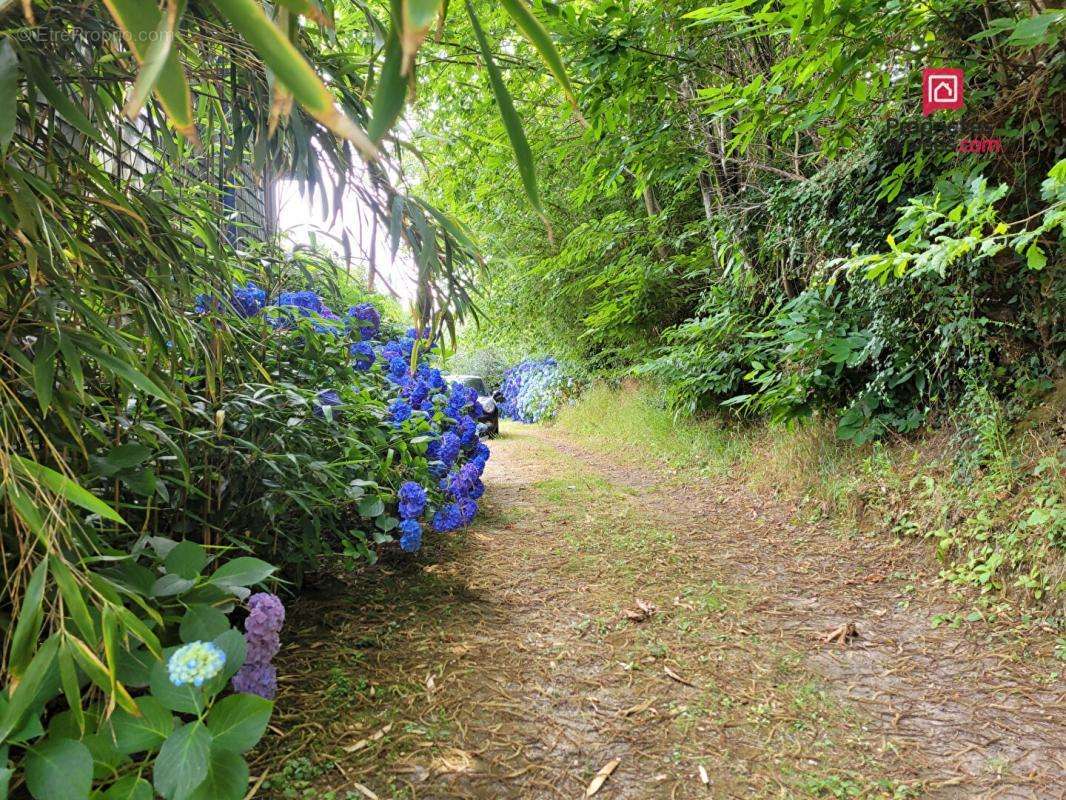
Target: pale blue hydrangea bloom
{"type": "Point", "coordinates": [195, 663]}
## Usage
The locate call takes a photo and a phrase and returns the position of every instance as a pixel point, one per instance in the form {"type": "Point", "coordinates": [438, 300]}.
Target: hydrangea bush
{"type": "Point", "coordinates": [372, 392]}
{"type": "Point", "coordinates": [310, 432]}
{"type": "Point", "coordinates": [534, 389]}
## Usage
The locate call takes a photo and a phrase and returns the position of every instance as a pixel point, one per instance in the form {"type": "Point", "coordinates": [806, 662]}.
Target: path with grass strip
{"type": "Point", "coordinates": [658, 635]}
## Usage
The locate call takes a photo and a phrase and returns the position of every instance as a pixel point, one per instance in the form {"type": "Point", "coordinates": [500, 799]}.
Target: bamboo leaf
{"type": "Point", "coordinates": [123, 370]}
{"type": "Point", "coordinates": [98, 673]}
{"type": "Point", "coordinates": [511, 120]}
{"type": "Point", "coordinates": [138, 21]}
{"type": "Point", "coordinates": [9, 74]}
{"type": "Point", "coordinates": [541, 41]}
{"type": "Point", "coordinates": [292, 69]}
{"type": "Point", "coordinates": [30, 619]}
{"type": "Point", "coordinates": [155, 58]}
{"type": "Point", "coordinates": [28, 512]}
{"type": "Point", "coordinates": [64, 487]}
{"type": "Point", "coordinates": [68, 678]}
{"type": "Point", "coordinates": [63, 105]}
{"type": "Point", "coordinates": [44, 372]}
{"type": "Point", "coordinates": [73, 600]}
{"type": "Point", "coordinates": [391, 92]}
{"type": "Point", "coordinates": [312, 9]}
{"type": "Point", "coordinates": [26, 691]}
{"type": "Point", "coordinates": [418, 18]}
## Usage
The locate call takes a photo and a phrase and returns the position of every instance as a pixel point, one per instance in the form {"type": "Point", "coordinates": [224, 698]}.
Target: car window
{"type": "Point", "coordinates": [477, 385]}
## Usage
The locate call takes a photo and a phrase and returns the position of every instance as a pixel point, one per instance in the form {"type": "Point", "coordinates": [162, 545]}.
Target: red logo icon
{"type": "Point", "coordinates": [941, 88]}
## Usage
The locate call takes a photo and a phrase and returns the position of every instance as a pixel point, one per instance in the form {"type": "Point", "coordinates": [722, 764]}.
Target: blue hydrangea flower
{"type": "Point", "coordinates": [534, 389]}
{"type": "Point", "coordinates": [363, 353]}
{"type": "Point", "coordinates": [397, 368]}
{"type": "Point", "coordinates": [307, 301]}
{"type": "Point", "coordinates": [412, 499]}
{"type": "Point", "coordinates": [448, 518]}
{"type": "Point", "coordinates": [467, 431]}
{"type": "Point", "coordinates": [467, 511]}
{"type": "Point", "coordinates": [248, 300]}
{"type": "Point", "coordinates": [400, 411]}
{"type": "Point", "coordinates": [449, 448]}
{"type": "Point", "coordinates": [331, 325]}
{"type": "Point", "coordinates": [326, 399]}
{"type": "Point", "coordinates": [461, 482]}
{"type": "Point", "coordinates": [366, 318]}
{"type": "Point", "coordinates": [205, 303]}
{"type": "Point", "coordinates": [410, 536]}
{"type": "Point", "coordinates": [417, 392]}
{"type": "Point", "coordinates": [194, 663]}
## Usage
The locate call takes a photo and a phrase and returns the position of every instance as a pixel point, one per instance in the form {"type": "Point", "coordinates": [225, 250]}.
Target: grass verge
{"type": "Point", "coordinates": [991, 500]}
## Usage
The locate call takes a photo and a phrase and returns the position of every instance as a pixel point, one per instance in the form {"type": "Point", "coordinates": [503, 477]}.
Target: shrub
{"type": "Point", "coordinates": [301, 432]}
{"type": "Point", "coordinates": [534, 389]}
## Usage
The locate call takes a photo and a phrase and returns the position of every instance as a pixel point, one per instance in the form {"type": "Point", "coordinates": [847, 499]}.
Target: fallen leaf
{"type": "Point", "coordinates": [703, 775]}
{"type": "Point", "coordinates": [374, 737]}
{"type": "Point", "coordinates": [641, 612]}
{"type": "Point", "coordinates": [677, 677]}
{"type": "Point", "coordinates": [842, 634]}
{"type": "Point", "coordinates": [602, 776]}
{"type": "Point", "coordinates": [637, 709]}
{"type": "Point", "coordinates": [365, 792]}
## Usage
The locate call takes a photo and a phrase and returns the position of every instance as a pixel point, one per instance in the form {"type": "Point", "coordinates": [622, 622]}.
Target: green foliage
{"type": "Point", "coordinates": [726, 210]}
{"type": "Point", "coordinates": [159, 464]}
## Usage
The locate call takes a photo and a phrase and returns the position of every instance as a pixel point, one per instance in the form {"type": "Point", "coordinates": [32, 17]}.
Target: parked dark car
{"type": "Point", "coordinates": [489, 421]}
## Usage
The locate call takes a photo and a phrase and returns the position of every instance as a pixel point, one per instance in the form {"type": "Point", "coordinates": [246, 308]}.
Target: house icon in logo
{"type": "Point", "coordinates": [941, 88]}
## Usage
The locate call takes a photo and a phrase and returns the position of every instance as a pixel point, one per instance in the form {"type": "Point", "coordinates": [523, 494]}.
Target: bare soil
{"type": "Point", "coordinates": [685, 635]}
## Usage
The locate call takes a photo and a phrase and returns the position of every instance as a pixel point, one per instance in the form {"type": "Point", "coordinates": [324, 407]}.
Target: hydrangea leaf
{"type": "Point", "coordinates": [237, 722]}
{"type": "Point", "coordinates": [244, 571]}
{"type": "Point", "coordinates": [182, 764]}
{"type": "Point", "coordinates": [202, 623]}
{"type": "Point", "coordinates": [59, 769]}
{"type": "Point", "coordinates": [227, 777]}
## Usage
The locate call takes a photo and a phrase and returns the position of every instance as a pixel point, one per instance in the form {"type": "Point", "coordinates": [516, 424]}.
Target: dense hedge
{"type": "Point", "coordinates": [347, 442]}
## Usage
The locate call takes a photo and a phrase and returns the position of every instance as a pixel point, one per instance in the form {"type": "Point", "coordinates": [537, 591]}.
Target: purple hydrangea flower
{"type": "Point", "coordinates": [260, 679]}
{"type": "Point", "coordinates": [266, 613]}
{"type": "Point", "coordinates": [262, 629]}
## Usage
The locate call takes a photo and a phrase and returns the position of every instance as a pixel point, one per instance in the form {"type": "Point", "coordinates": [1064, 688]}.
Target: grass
{"type": "Point", "coordinates": [991, 500]}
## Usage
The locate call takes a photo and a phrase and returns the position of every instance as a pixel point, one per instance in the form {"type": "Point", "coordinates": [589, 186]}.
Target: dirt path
{"type": "Point", "coordinates": [510, 661]}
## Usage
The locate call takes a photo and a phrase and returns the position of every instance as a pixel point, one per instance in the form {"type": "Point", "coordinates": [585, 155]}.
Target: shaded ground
{"type": "Point", "coordinates": [510, 661]}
